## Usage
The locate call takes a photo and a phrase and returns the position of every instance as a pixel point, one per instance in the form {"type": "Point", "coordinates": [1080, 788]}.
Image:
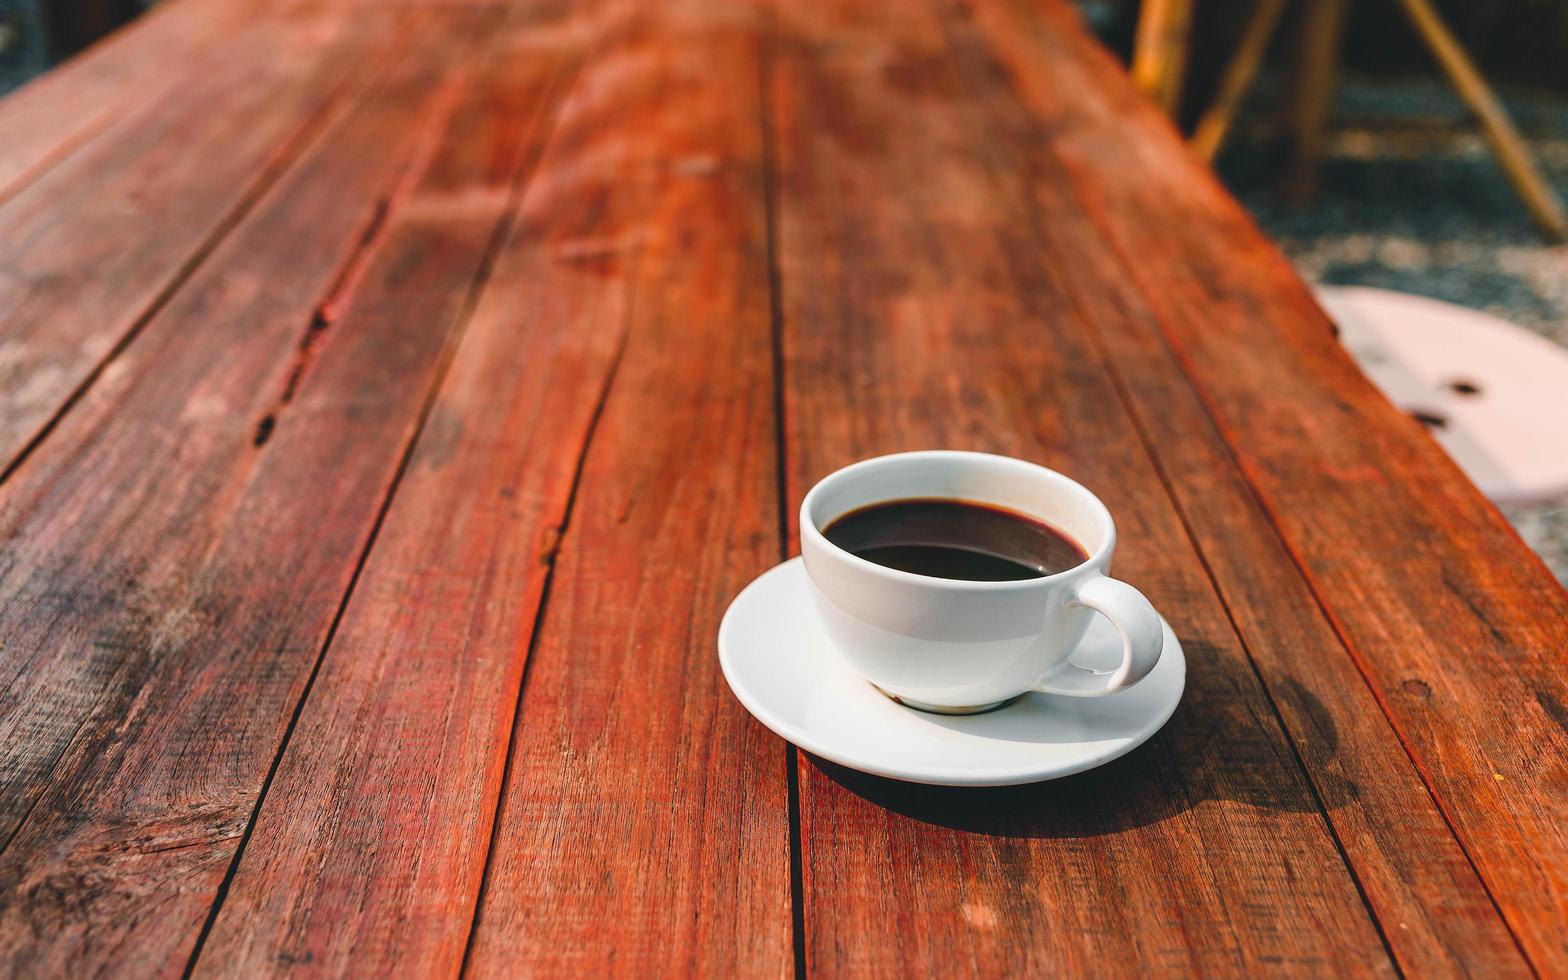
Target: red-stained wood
{"type": "Point", "coordinates": [91, 248]}
{"type": "Point", "coordinates": [61, 109]}
{"type": "Point", "coordinates": [1406, 859]}
{"type": "Point", "coordinates": [368, 851]}
{"type": "Point", "coordinates": [1460, 632]}
{"type": "Point", "coordinates": [176, 552]}
{"type": "Point", "coordinates": [917, 315]}
{"type": "Point", "coordinates": [240, 246]}
{"type": "Point", "coordinates": [644, 825]}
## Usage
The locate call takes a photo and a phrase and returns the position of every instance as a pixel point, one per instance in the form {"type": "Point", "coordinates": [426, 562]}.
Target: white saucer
{"type": "Point", "coordinates": [781, 666]}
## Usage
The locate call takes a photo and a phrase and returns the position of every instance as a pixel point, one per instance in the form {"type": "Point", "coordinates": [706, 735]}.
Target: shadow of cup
{"type": "Point", "coordinates": [1203, 754]}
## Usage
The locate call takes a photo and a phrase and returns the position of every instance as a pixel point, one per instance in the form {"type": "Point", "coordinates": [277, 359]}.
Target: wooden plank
{"type": "Point", "coordinates": [176, 552]}
{"type": "Point", "coordinates": [1438, 916]}
{"type": "Point", "coordinates": [1412, 565]}
{"type": "Point", "coordinates": [94, 245]}
{"type": "Point", "coordinates": [916, 316]}
{"type": "Point", "coordinates": [644, 825]}
{"type": "Point", "coordinates": [368, 851]}
{"type": "Point", "coordinates": [60, 110]}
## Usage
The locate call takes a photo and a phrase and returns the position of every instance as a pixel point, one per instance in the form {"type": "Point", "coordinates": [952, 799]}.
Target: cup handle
{"type": "Point", "coordinates": [1142, 638]}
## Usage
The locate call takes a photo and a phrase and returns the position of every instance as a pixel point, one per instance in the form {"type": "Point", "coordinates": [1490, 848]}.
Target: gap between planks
{"type": "Point", "coordinates": [533, 636]}
{"type": "Point", "coordinates": [766, 44]}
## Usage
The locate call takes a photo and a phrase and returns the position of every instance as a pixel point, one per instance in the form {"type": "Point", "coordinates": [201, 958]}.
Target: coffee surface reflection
{"type": "Point", "coordinates": [955, 539]}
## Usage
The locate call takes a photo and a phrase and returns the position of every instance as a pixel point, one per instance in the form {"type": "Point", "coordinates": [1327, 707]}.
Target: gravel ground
{"type": "Point", "coordinates": [1412, 199]}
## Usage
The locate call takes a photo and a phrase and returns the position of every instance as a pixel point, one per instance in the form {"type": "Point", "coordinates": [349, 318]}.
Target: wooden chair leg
{"type": "Point", "coordinates": [1511, 151]}
{"type": "Point", "coordinates": [1210, 133]}
{"type": "Point", "coordinates": [1159, 59]}
{"type": "Point", "coordinates": [1317, 69]}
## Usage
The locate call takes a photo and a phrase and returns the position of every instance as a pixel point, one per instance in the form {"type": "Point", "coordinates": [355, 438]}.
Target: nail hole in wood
{"type": "Point", "coordinates": [1429, 420]}
{"type": "Point", "coordinates": [1462, 387]}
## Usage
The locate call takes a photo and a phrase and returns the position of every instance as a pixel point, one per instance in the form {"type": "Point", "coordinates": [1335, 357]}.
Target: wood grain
{"type": "Point", "coordinates": [389, 409]}
{"type": "Point", "coordinates": [917, 315]}
{"type": "Point", "coordinates": [368, 851]}
{"type": "Point", "coordinates": [175, 553]}
{"type": "Point", "coordinates": [1461, 632]}
{"type": "Point", "coordinates": [57, 112]}
{"type": "Point", "coordinates": [92, 247]}
{"type": "Point", "coordinates": [1440, 918]}
{"type": "Point", "coordinates": [644, 826]}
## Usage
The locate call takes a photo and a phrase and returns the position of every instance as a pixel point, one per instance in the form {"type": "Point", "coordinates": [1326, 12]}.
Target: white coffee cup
{"type": "Point", "coordinates": [956, 646]}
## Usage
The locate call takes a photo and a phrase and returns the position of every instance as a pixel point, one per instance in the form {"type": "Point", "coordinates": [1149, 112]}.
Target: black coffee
{"type": "Point", "coordinates": [957, 539]}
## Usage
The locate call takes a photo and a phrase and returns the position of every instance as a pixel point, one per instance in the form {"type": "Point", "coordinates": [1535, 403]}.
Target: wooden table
{"type": "Point", "coordinates": [393, 396]}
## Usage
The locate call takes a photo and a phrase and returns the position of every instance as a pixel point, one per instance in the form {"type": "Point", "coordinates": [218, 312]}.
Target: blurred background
{"type": "Point", "coordinates": [1354, 133]}
{"type": "Point", "coordinates": [35, 34]}
{"type": "Point", "coordinates": [1398, 187]}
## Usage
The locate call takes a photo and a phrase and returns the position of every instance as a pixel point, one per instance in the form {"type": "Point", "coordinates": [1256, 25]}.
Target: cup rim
{"type": "Point", "coordinates": [810, 531]}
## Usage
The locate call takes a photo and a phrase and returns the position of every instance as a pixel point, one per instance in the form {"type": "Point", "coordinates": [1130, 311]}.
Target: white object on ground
{"type": "Point", "coordinates": [1494, 395]}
